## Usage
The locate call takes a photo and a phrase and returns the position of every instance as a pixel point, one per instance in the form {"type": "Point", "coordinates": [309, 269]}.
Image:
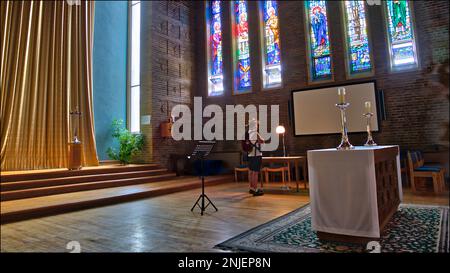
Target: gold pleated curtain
{"type": "Point", "coordinates": [46, 72]}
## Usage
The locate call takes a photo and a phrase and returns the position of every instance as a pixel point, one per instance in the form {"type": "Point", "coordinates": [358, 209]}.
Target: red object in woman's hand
{"type": "Point", "coordinates": [260, 140]}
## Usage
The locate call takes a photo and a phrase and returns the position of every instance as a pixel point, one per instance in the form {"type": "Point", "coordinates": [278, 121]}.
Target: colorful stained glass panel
{"type": "Point", "coordinates": [243, 75]}
{"type": "Point", "coordinates": [319, 39]}
{"type": "Point", "coordinates": [401, 34]}
{"type": "Point", "coordinates": [357, 37]}
{"type": "Point", "coordinates": [322, 66]}
{"type": "Point", "coordinates": [272, 54]}
{"type": "Point", "coordinates": [399, 20]}
{"type": "Point", "coordinates": [215, 41]}
{"type": "Point", "coordinates": [271, 32]}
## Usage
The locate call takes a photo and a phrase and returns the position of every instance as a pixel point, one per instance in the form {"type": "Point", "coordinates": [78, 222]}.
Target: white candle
{"type": "Point", "coordinates": [368, 107]}
{"type": "Point", "coordinates": [341, 94]}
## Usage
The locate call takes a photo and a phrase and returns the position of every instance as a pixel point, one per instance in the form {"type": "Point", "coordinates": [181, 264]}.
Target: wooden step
{"type": "Point", "coordinates": [17, 210]}
{"type": "Point", "coordinates": [49, 182]}
{"type": "Point", "coordinates": [85, 186]}
{"type": "Point", "coordinates": [54, 173]}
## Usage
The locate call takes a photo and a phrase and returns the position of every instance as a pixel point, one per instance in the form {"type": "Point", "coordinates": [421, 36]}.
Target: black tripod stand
{"type": "Point", "coordinates": [202, 149]}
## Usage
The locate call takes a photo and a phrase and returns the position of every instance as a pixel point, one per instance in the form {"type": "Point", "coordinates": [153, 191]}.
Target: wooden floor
{"type": "Point", "coordinates": [28, 208]}
{"type": "Point", "coordinates": [163, 223]}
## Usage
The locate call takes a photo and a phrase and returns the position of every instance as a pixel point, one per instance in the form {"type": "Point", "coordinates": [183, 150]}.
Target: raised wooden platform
{"type": "Point", "coordinates": [11, 176]}
{"type": "Point", "coordinates": [30, 194]}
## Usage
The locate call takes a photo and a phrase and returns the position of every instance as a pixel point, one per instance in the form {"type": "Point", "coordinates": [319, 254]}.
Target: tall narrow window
{"type": "Point", "coordinates": [243, 81]}
{"type": "Point", "coordinates": [402, 46]}
{"type": "Point", "coordinates": [318, 41]}
{"type": "Point", "coordinates": [214, 32]}
{"type": "Point", "coordinates": [359, 61]}
{"type": "Point", "coordinates": [135, 82]}
{"type": "Point", "coordinates": [271, 44]}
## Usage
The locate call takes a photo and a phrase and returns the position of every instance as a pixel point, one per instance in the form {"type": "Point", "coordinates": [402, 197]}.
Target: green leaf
{"type": "Point", "coordinates": [129, 144]}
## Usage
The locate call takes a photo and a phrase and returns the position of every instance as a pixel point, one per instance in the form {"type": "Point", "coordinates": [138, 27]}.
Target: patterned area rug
{"type": "Point", "coordinates": [413, 228]}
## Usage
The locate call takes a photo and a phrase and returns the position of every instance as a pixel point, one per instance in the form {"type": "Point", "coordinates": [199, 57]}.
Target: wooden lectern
{"type": "Point", "coordinates": [75, 152]}
{"type": "Point", "coordinates": [75, 146]}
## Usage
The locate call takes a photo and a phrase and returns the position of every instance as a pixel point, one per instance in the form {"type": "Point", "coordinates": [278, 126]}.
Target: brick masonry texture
{"type": "Point", "coordinates": [166, 71]}
{"type": "Point", "coordinates": [173, 69]}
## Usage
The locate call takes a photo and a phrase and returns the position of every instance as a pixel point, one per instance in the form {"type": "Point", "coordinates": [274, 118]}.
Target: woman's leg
{"type": "Point", "coordinates": [251, 179]}
{"type": "Point", "coordinates": [256, 174]}
{"type": "Point", "coordinates": [255, 179]}
{"type": "Point", "coordinates": [259, 183]}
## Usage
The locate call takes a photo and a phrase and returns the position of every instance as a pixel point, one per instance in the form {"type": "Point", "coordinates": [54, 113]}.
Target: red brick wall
{"type": "Point", "coordinates": [167, 70]}
{"type": "Point", "coordinates": [416, 111]}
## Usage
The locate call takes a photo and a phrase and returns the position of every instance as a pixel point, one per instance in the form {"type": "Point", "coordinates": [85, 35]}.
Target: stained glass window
{"type": "Point", "coordinates": [357, 40]}
{"type": "Point", "coordinates": [242, 47]}
{"type": "Point", "coordinates": [401, 34]}
{"type": "Point", "coordinates": [319, 42]}
{"type": "Point", "coordinates": [214, 12]}
{"type": "Point", "coordinates": [272, 54]}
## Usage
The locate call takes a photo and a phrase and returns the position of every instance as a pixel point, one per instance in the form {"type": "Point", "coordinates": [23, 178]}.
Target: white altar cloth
{"type": "Point", "coordinates": [343, 190]}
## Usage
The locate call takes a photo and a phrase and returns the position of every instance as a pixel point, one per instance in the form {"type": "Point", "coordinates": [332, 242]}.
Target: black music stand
{"type": "Point", "coordinates": [203, 149]}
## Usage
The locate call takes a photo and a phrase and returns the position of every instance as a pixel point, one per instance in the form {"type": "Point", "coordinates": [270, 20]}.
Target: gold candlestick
{"type": "Point", "coordinates": [370, 141]}
{"type": "Point", "coordinates": [345, 143]}
{"type": "Point", "coordinates": [75, 116]}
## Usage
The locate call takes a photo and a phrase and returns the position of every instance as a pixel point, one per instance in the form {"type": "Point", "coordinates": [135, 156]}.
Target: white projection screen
{"type": "Point", "coordinates": [315, 113]}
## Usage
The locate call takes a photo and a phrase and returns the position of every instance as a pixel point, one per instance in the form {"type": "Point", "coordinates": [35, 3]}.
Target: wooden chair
{"type": "Point", "coordinates": [427, 164]}
{"type": "Point", "coordinates": [404, 169]}
{"type": "Point", "coordinates": [418, 170]}
{"type": "Point", "coordinates": [283, 170]}
{"type": "Point", "coordinates": [241, 169]}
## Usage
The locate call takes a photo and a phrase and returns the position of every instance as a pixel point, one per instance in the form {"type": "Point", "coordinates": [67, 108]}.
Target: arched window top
{"type": "Point", "coordinates": [215, 58]}
{"type": "Point", "coordinates": [271, 69]}
{"type": "Point", "coordinates": [400, 31]}
{"type": "Point", "coordinates": [358, 52]}
{"type": "Point", "coordinates": [319, 47]}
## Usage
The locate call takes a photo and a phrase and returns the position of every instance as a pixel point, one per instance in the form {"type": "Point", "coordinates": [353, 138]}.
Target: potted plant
{"type": "Point", "coordinates": [129, 143]}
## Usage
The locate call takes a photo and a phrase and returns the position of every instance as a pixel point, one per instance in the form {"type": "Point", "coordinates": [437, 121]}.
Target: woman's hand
{"type": "Point", "coordinates": [260, 139]}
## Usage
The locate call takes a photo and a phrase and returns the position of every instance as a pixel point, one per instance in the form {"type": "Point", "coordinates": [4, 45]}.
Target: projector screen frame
{"type": "Point", "coordinates": [377, 100]}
